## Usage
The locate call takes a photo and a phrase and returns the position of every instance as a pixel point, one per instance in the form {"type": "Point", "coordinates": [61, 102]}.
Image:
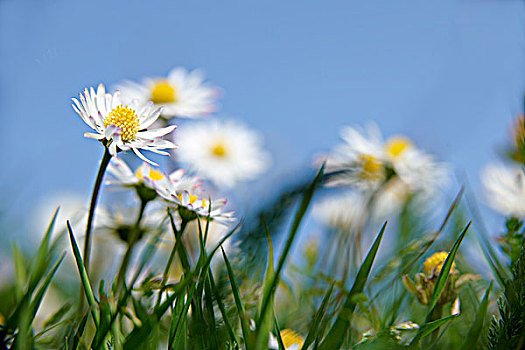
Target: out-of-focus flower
{"type": "Point", "coordinates": [119, 126]}
{"type": "Point", "coordinates": [225, 152]}
{"type": "Point", "coordinates": [424, 283]}
{"type": "Point", "coordinates": [121, 174]}
{"type": "Point", "coordinates": [291, 340]}
{"type": "Point", "coordinates": [505, 188]}
{"type": "Point", "coordinates": [121, 222]}
{"type": "Point", "coordinates": [345, 211]}
{"type": "Point", "coordinates": [182, 94]}
{"type": "Point", "coordinates": [422, 174]}
{"type": "Point", "coordinates": [396, 167]}
{"type": "Point", "coordinates": [72, 207]}
{"type": "Point", "coordinates": [359, 161]}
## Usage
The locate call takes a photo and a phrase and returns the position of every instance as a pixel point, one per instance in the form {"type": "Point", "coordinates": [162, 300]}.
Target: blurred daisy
{"type": "Point", "coordinates": [417, 169]}
{"type": "Point", "coordinates": [359, 161]}
{"type": "Point", "coordinates": [505, 189]}
{"type": "Point", "coordinates": [342, 211]}
{"type": "Point", "coordinates": [119, 126]}
{"type": "Point", "coordinates": [71, 207]}
{"type": "Point", "coordinates": [119, 223]}
{"type": "Point", "coordinates": [366, 161]}
{"type": "Point", "coordinates": [182, 94]}
{"type": "Point", "coordinates": [121, 174]}
{"type": "Point", "coordinates": [224, 152]}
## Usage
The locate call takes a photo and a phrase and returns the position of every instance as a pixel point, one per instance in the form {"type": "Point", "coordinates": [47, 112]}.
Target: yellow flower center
{"type": "Point", "coordinates": [163, 92]}
{"type": "Point", "coordinates": [153, 174]}
{"type": "Point", "coordinates": [126, 119]}
{"type": "Point", "coordinates": [219, 150]}
{"type": "Point", "coordinates": [291, 338]}
{"type": "Point", "coordinates": [193, 199]}
{"type": "Point", "coordinates": [433, 265]}
{"type": "Point", "coordinates": [372, 167]}
{"type": "Point", "coordinates": [396, 145]}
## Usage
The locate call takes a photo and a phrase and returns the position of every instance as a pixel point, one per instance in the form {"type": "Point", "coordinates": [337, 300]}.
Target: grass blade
{"type": "Point", "coordinates": [43, 288]}
{"type": "Point", "coordinates": [301, 211]}
{"type": "Point", "coordinates": [475, 329]}
{"type": "Point", "coordinates": [88, 291]}
{"type": "Point", "coordinates": [238, 302]}
{"type": "Point", "coordinates": [312, 332]}
{"type": "Point", "coordinates": [20, 272]}
{"type": "Point", "coordinates": [337, 334]}
{"type": "Point", "coordinates": [430, 327]}
{"type": "Point", "coordinates": [443, 274]}
{"type": "Point", "coordinates": [265, 321]}
{"type": "Point", "coordinates": [222, 308]}
{"type": "Point", "coordinates": [42, 258]}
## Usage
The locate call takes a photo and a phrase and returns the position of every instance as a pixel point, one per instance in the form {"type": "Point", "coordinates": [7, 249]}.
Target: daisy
{"type": "Point", "coordinates": [366, 161]}
{"type": "Point", "coordinates": [185, 193]}
{"type": "Point", "coordinates": [225, 152]}
{"type": "Point", "coordinates": [416, 168]}
{"type": "Point", "coordinates": [193, 206]}
{"type": "Point", "coordinates": [120, 222]}
{"type": "Point", "coordinates": [122, 127]}
{"type": "Point", "coordinates": [121, 174]}
{"type": "Point", "coordinates": [359, 161]}
{"type": "Point", "coordinates": [182, 94]}
{"type": "Point", "coordinates": [505, 189]}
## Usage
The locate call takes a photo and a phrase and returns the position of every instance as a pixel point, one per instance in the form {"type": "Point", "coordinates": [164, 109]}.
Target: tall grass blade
{"type": "Point", "coordinates": [238, 302]}
{"type": "Point", "coordinates": [337, 334]}
{"type": "Point", "coordinates": [443, 274]}
{"type": "Point", "coordinates": [83, 275]}
{"type": "Point", "coordinates": [314, 327]}
{"type": "Point", "coordinates": [477, 326]}
{"type": "Point", "coordinates": [301, 211]}
{"type": "Point", "coordinates": [430, 327]}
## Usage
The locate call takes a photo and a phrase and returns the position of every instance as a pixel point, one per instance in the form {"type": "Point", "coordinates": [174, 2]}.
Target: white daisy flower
{"type": "Point", "coordinates": [185, 192]}
{"type": "Point", "coordinates": [505, 189]}
{"type": "Point", "coordinates": [119, 126]}
{"type": "Point", "coordinates": [182, 94]}
{"type": "Point", "coordinates": [176, 182]}
{"type": "Point", "coordinates": [417, 169]}
{"type": "Point", "coordinates": [201, 206]}
{"type": "Point", "coordinates": [365, 161]}
{"type": "Point", "coordinates": [225, 152]}
{"type": "Point", "coordinates": [359, 161]}
{"type": "Point", "coordinates": [345, 211]}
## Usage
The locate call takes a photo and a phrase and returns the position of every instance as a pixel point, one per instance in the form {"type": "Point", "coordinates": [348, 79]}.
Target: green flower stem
{"type": "Point", "coordinates": [94, 197]}
{"type": "Point", "coordinates": [131, 245]}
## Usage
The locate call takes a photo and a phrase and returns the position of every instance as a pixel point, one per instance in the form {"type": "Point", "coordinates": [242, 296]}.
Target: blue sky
{"type": "Point", "coordinates": [448, 74]}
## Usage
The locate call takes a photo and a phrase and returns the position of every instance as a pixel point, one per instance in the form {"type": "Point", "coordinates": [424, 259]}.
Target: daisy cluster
{"type": "Point", "coordinates": [211, 154]}
{"type": "Point", "coordinates": [376, 177]}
